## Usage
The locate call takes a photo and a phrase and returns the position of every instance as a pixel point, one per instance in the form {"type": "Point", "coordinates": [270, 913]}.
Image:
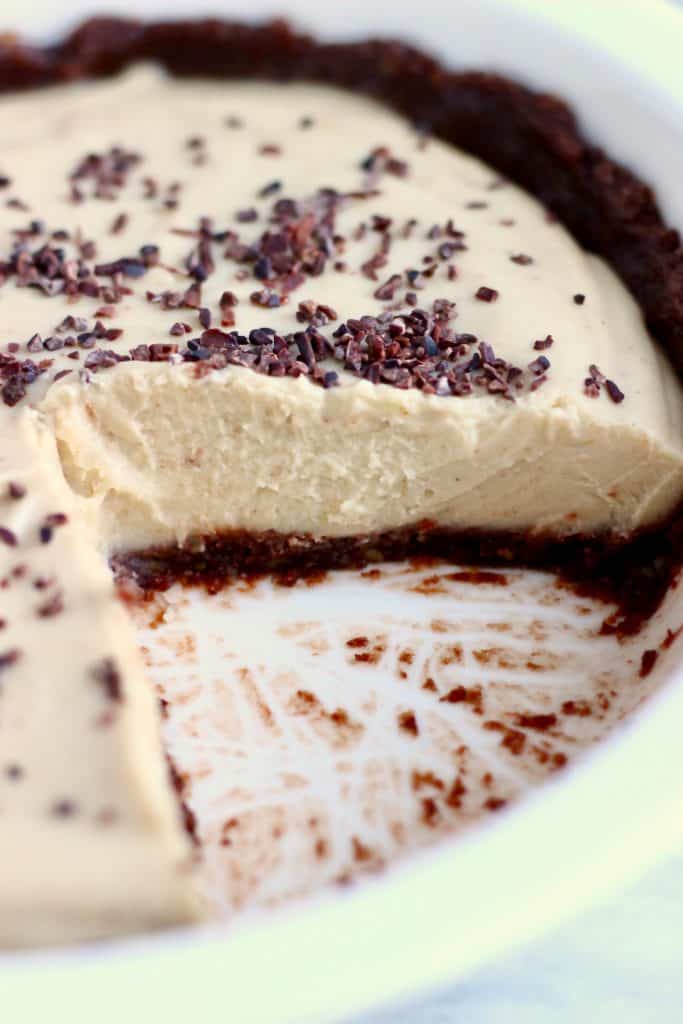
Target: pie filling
{"type": "Point", "coordinates": [251, 327]}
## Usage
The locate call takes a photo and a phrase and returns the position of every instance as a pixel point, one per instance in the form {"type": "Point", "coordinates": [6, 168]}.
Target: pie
{"type": "Point", "coordinates": [289, 306]}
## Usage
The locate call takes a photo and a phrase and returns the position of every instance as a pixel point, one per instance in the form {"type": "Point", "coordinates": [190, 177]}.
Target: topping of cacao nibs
{"type": "Point", "coordinates": [579, 299]}
{"type": "Point", "coordinates": [166, 299]}
{"type": "Point", "coordinates": [149, 254]}
{"type": "Point", "coordinates": [14, 772]}
{"type": "Point", "coordinates": [205, 317]}
{"type": "Point", "coordinates": [106, 673]}
{"type": "Point", "coordinates": [63, 809]}
{"type": "Point", "coordinates": [381, 161]}
{"type": "Point", "coordinates": [386, 291]}
{"type": "Point", "coordinates": [317, 314]}
{"type": "Point", "coordinates": [306, 122]}
{"type": "Point", "coordinates": [54, 605]}
{"type": "Point", "coordinates": [371, 266]}
{"type": "Point", "coordinates": [15, 490]}
{"type": "Point", "coordinates": [485, 294]}
{"type": "Point", "coordinates": [447, 249]}
{"type": "Point", "coordinates": [543, 343]}
{"type": "Point", "coordinates": [247, 216]}
{"type": "Point", "coordinates": [522, 259]}
{"type": "Point", "coordinates": [266, 298]}
{"type": "Point", "coordinates": [615, 393]}
{"type": "Point", "coordinates": [119, 223]}
{"type": "Point", "coordinates": [102, 359]}
{"type": "Point", "coordinates": [270, 189]}
{"type": "Point", "coordinates": [56, 519]}
{"type": "Point", "coordinates": [129, 267]}
{"type": "Point", "coordinates": [5, 182]}
{"type": "Point", "coordinates": [161, 351]}
{"type": "Point", "coordinates": [108, 172]}
{"type": "Point", "coordinates": [539, 365]}
{"type": "Point", "coordinates": [380, 223]}
{"type": "Point", "coordinates": [8, 537]}
{"type": "Point", "coordinates": [270, 149]}
{"type": "Point", "coordinates": [591, 387]}
{"type": "Point", "coordinates": [9, 658]}
{"type": "Point", "coordinates": [71, 323]}
{"type": "Point", "coordinates": [476, 204]}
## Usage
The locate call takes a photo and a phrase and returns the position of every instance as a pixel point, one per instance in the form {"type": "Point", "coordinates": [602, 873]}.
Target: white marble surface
{"type": "Point", "coordinates": [620, 963]}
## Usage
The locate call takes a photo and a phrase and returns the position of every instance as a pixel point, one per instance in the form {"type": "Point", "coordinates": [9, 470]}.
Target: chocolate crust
{"type": "Point", "coordinates": [529, 137]}
{"type": "Point", "coordinates": [635, 574]}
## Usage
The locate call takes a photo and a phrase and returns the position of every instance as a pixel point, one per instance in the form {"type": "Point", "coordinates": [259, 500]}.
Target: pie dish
{"type": "Point", "coordinates": [329, 461]}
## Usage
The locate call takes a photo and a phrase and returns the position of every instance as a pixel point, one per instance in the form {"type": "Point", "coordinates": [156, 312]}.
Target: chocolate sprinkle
{"type": "Point", "coordinates": [53, 606]}
{"type": "Point", "coordinates": [9, 658]}
{"type": "Point", "coordinates": [485, 294]}
{"type": "Point", "coordinates": [615, 393]}
{"type": "Point", "coordinates": [108, 676]}
{"type": "Point", "coordinates": [544, 343]}
{"type": "Point", "coordinates": [63, 809]}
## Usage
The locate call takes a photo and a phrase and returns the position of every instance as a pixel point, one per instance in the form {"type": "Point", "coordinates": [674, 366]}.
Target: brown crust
{"type": "Point", "coordinates": [529, 137]}
{"type": "Point", "coordinates": [635, 575]}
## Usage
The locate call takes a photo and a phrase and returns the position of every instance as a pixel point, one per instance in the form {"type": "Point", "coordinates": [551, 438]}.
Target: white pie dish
{"type": "Point", "coordinates": [427, 922]}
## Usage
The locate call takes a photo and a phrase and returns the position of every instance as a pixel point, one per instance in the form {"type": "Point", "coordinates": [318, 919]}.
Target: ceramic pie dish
{"type": "Point", "coordinates": [416, 602]}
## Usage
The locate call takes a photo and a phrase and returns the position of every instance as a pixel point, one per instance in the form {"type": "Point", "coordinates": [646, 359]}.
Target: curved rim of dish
{"type": "Point", "coordinates": [561, 849]}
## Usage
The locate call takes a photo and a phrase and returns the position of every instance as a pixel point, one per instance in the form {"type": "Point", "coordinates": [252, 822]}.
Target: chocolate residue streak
{"type": "Point", "coordinates": [407, 722]}
{"type": "Point", "coordinates": [452, 655]}
{"type": "Point", "coordinates": [430, 812]}
{"type": "Point", "coordinates": [429, 585]}
{"type": "Point", "coordinates": [647, 663]}
{"type": "Point", "coordinates": [420, 779]}
{"type": "Point", "coordinates": [371, 657]}
{"type": "Point", "coordinates": [671, 638]}
{"type": "Point", "coordinates": [479, 576]}
{"type": "Point", "coordinates": [537, 722]}
{"type": "Point", "coordinates": [456, 793]}
{"type": "Point", "coordinates": [578, 708]}
{"type": "Point", "coordinates": [494, 803]}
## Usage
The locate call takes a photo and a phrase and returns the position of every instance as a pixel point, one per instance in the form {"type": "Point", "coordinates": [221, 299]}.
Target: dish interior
{"type": "Point", "coordinates": [427, 699]}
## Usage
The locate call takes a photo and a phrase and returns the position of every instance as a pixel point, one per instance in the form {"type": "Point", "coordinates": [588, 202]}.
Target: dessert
{"type": "Point", "coordinates": [250, 326]}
